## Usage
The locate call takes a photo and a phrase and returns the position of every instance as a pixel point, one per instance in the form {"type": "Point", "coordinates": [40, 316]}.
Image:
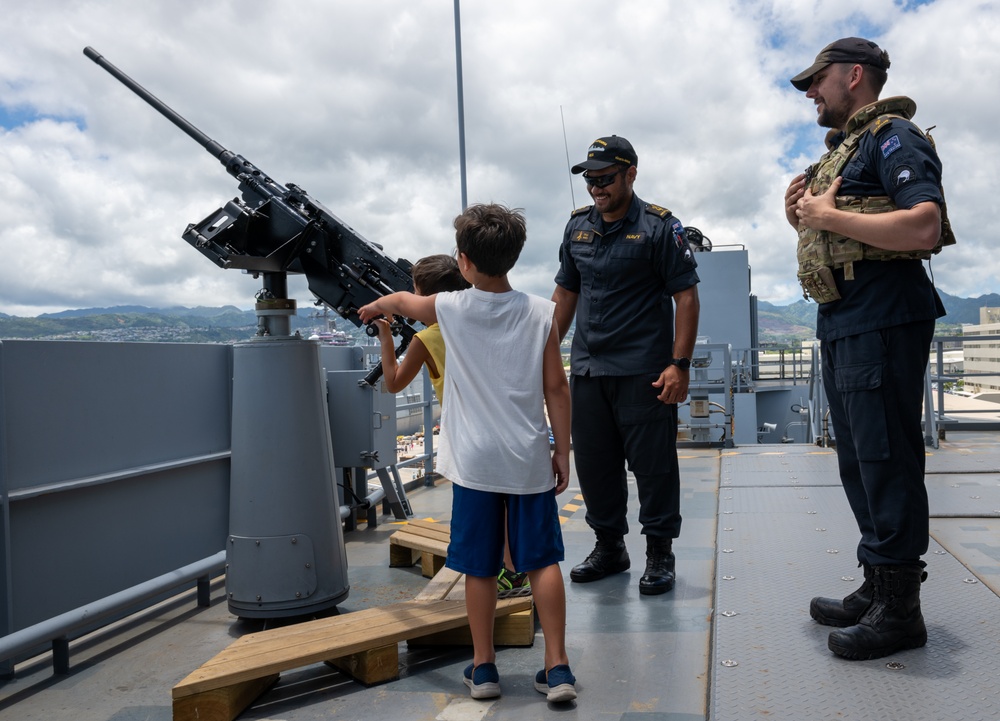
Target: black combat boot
{"type": "Point", "coordinates": [892, 622]}
{"type": "Point", "coordinates": [843, 612]}
{"type": "Point", "coordinates": [609, 556]}
{"type": "Point", "coordinates": [659, 575]}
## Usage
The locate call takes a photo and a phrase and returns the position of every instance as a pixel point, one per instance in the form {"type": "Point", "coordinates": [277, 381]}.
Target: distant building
{"type": "Point", "coordinates": [983, 356]}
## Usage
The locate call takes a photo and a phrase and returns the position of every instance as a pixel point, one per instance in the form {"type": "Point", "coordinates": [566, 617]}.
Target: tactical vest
{"type": "Point", "coordinates": [820, 251]}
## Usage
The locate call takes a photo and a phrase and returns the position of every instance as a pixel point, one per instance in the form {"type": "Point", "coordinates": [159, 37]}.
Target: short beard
{"type": "Point", "coordinates": [836, 111]}
{"type": "Point", "coordinates": [828, 119]}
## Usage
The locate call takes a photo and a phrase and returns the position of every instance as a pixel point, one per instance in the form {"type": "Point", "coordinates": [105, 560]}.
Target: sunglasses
{"type": "Point", "coordinates": [601, 181]}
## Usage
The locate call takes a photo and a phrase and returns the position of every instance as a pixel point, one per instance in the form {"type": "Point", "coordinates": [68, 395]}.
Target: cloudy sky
{"type": "Point", "coordinates": [357, 103]}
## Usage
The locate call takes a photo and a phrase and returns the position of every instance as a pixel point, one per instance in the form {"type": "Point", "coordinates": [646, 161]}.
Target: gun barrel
{"type": "Point", "coordinates": [206, 142]}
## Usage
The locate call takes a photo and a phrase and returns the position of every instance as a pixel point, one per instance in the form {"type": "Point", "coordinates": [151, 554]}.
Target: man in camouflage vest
{"type": "Point", "coordinates": [867, 214]}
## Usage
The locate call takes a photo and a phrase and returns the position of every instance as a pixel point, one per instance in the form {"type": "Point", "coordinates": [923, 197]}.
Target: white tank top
{"type": "Point", "coordinates": [495, 436]}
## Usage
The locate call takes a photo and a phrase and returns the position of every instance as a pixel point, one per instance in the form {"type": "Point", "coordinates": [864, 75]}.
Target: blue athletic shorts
{"type": "Point", "coordinates": [477, 523]}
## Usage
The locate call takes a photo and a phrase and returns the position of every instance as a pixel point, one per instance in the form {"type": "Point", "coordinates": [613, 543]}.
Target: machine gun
{"type": "Point", "coordinates": [277, 229]}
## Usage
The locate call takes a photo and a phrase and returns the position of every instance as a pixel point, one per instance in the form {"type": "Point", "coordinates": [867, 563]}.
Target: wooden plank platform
{"type": "Point", "coordinates": [364, 644]}
{"type": "Point", "coordinates": [420, 540]}
{"type": "Point", "coordinates": [225, 685]}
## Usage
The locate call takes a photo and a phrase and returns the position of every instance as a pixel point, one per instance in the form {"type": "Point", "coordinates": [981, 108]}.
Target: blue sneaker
{"type": "Point", "coordinates": [558, 685]}
{"type": "Point", "coordinates": [483, 680]}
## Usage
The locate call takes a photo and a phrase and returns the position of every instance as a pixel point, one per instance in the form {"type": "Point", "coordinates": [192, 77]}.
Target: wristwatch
{"type": "Point", "coordinates": [682, 363]}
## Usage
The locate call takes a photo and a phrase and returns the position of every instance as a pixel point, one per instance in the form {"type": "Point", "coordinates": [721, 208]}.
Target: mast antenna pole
{"type": "Point", "coordinates": [569, 168]}
{"type": "Point", "coordinates": [461, 106]}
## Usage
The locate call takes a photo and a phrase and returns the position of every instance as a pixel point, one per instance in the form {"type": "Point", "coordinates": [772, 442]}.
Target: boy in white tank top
{"type": "Point", "coordinates": [504, 371]}
{"type": "Point", "coordinates": [436, 274]}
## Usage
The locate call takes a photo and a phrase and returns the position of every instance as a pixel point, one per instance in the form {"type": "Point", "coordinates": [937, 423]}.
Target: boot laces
{"type": "Point", "coordinates": [603, 547]}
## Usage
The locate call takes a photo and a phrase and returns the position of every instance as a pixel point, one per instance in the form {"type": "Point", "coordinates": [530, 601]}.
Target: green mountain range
{"type": "Point", "coordinates": [797, 321]}
{"type": "Point", "coordinates": [228, 324]}
{"type": "Point", "coordinates": [779, 324]}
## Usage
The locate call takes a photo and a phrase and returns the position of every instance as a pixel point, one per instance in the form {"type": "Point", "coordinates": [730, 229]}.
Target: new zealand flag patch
{"type": "Point", "coordinates": [678, 232]}
{"type": "Point", "coordinates": [890, 146]}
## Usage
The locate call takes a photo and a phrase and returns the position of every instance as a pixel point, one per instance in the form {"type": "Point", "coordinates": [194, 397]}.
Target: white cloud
{"type": "Point", "coordinates": [356, 102]}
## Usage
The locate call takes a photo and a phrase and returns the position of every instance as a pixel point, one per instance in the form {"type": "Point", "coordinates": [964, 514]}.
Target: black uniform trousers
{"type": "Point", "coordinates": [875, 385]}
{"type": "Point", "coordinates": [618, 420]}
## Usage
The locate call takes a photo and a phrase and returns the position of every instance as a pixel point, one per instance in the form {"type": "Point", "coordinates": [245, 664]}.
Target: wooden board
{"type": "Point", "coordinates": [421, 540]}
{"type": "Point", "coordinates": [429, 529]}
{"type": "Point", "coordinates": [444, 583]}
{"type": "Point", "coordinates": [376, 665]}
{"type": "Point", "coordinates": [221, 704]}
{"type": "Point", "coordinates": [280, 649]}
{"type": "Point", "coordinates": [517, 629]}
{"type": "Point", "coordinates": [362, 643]}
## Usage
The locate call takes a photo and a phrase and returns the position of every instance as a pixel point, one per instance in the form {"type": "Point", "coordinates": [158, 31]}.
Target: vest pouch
{"type": "Point", "coordinates": [819, 285]}
{"type": "Point", "coordinates": [844, 251]}
{"type": "Point", "coordinates": [815, 275]}
{"type": "Point", "coordinates": [812, 251]}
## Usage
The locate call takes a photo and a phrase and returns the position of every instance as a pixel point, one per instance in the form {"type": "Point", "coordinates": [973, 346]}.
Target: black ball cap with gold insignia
{"type": "Point", "coordinates": [608, 151]}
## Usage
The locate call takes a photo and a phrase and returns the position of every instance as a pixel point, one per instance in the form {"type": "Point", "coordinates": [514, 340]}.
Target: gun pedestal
{"type": "Point", "coordinates": [274, 308]}
{"type": "Point", "coordinates": [285, 553]}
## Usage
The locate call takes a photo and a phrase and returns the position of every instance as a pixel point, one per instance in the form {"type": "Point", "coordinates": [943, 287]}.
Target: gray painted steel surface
{"type": "Point", "coordinates": [724, 294]}
{"type": "Point", "coordinates": [114, 468]}
{"type": "Point", "coordinates": [362, 421]}
{"type": "Point", "coordinates": [285, 550]}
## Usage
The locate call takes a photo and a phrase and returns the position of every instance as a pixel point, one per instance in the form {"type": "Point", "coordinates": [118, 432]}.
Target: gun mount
{"type": "Point", "coordinates": [285, 552]}
{"type": "Point", "coordinates": [275, 229]}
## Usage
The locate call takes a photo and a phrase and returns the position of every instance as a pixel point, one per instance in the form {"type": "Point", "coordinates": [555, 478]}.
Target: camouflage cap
{"type": "Point", "coordinates": [845, 50]}
{"type": "Point", "coordinates": [608, 151]}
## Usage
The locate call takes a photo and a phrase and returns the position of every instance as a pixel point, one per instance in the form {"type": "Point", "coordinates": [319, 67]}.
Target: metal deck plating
{"type": "Point", "coordinates": [765, 529]}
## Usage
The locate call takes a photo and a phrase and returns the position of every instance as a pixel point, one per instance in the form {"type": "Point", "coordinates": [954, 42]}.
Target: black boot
{"type": "Point", "coordinates": [659, 575]}
{"type": "Point", "coordinates": [892, 622]}
{"type": "Point", "coordinates": [843, 612]}
{"type": "Point", "coordinates": [609, 556]}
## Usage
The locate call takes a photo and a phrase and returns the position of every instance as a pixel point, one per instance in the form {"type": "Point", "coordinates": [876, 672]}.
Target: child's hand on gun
{"type": "Point", "coordinates": [384, 329]}
{"type": "Point", "coordinates": [371, 311]}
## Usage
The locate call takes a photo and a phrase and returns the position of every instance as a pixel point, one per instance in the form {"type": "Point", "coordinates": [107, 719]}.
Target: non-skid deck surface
{"type": "Point", "coordinates": [782, 543]}
{"type": "Point", "coordinates": [741, 596]}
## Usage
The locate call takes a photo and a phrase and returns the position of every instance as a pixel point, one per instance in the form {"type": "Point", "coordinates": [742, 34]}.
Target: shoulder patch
{"type": "Point", "coordinates": [890, 146]}
{"type": "Point", "coordinates": [880, 123]}
{"type": "Point", "coordinates": [581, 211]}
{"type": "Point", "coordinates": [903, 174]}
{"type": "Point", "coordinates": [680, 237]}
{"type": "Point", "coordinates": [884, 122]}
{"type": "Point", "coordinates": [657, 210]}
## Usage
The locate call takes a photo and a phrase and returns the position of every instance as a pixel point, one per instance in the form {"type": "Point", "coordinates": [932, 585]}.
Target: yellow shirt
{"type": "Point", "coordinates": [434, 343]}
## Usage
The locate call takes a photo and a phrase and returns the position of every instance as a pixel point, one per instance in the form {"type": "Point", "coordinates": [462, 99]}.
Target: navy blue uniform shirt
{"type": "Point", "coordinates": [897, 161]}
{"type": "Point", "coordinates": [625, 274]}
